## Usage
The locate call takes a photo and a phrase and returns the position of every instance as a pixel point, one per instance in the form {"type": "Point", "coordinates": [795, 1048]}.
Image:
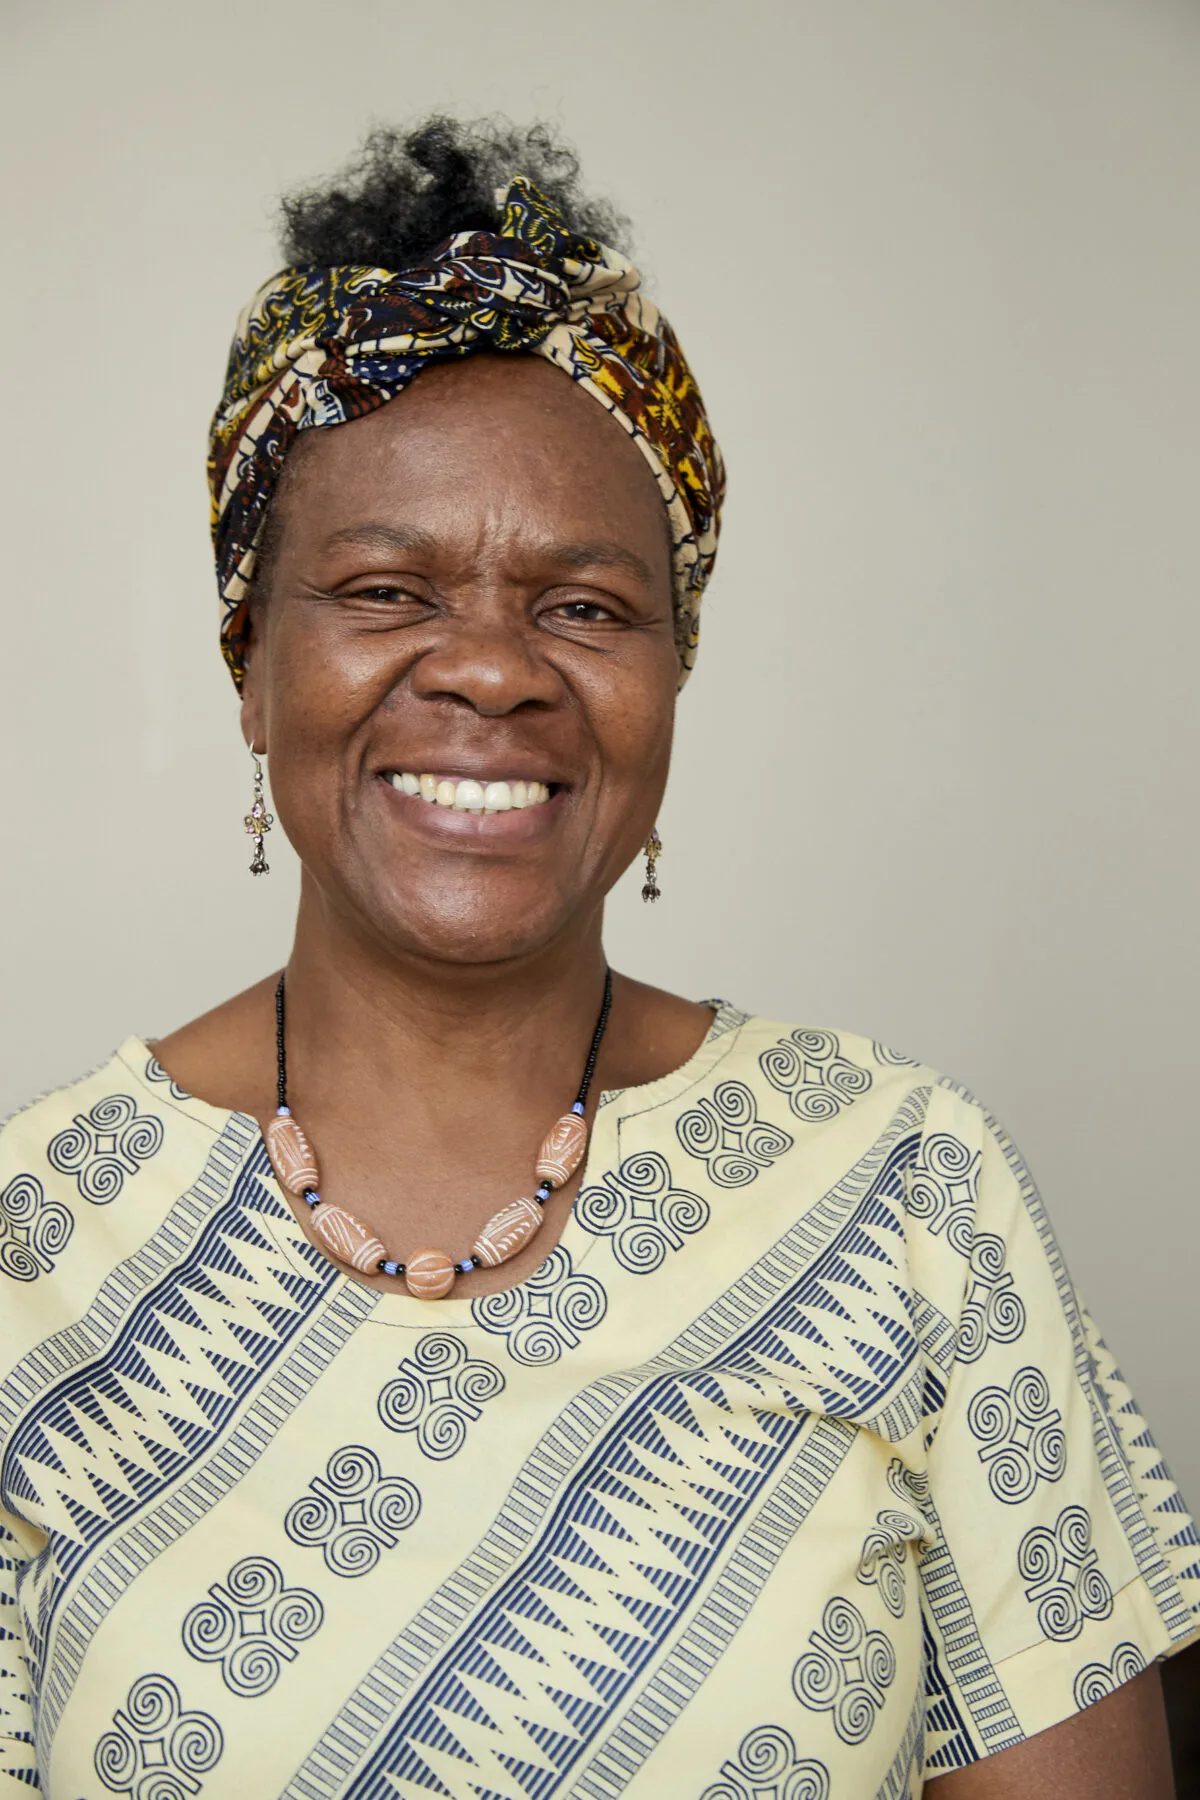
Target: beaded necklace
{"type": "Point", "coordinates": [429, 1274]}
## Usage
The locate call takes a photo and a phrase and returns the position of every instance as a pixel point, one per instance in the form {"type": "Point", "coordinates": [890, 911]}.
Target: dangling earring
{"type": "Point", "coordinates": [258, 822]}
{"type": "Point", "coordinates": [652, 891]}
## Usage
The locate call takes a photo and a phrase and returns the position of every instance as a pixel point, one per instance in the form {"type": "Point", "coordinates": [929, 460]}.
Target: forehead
{"type": "Point", "coordinates": [497, 436]}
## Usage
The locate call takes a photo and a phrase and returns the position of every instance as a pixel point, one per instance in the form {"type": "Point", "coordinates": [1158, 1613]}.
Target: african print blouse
{"type": "Point", "coordinates": [796, 1469]}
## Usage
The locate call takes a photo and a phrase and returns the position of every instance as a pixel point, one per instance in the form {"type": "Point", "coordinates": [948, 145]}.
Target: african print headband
{"type": "Point", "coordinates": [323, 346]}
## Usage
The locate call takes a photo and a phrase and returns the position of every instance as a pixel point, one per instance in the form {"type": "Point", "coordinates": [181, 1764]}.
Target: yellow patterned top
{"type": "Point", "coordinates": [796, 1470]}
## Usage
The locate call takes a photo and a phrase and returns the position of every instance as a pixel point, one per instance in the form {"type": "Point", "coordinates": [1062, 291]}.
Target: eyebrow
{"type": "Point", "coordinates": [592, 553]}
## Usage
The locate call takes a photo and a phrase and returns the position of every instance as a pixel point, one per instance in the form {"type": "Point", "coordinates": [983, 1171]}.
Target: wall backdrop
{"type": "Point", "coordinates": [936, 264]}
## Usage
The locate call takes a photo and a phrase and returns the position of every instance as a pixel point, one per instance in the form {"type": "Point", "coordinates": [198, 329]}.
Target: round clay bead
{"type": "Point", "coordinates": [506, 1231]}
{"type": "Point", "coordinates": [429, 1274]}
{"type": "Point", "coordinates": [291, 1156]}
{"type": "Point", "coordinates": [347, 1238]}
{"type": "Point", "coordinates": [562, 1149]}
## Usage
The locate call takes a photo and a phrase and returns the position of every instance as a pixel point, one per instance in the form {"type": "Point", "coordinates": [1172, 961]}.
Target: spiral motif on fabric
{"type": "Point", "coordinates": [1092, 1683]}
{"type": "Point", "coordinates": [807, 1781]}
{"type": "Point", "coordinates": [732, 1168]}
{"type": "Point", "coordinates": [535, 1343]}
{"type": "Point", "coordinates": [478, 1383]}
{"type": "Point", "coordinates": [781, 1065]}
{"type": "Point", "coordinates": [646, 1173]}
{"type": "Point", "coordinates": [353, 1552]}
{"type": "Point", "coordinates": [600, 1210]}
{"type": "Point", "coordinates": [684, 1212]}
{"type": "Point", "coordinates": [53, 1229]}
{"type": "Point", "coordinates": [1127, 1662]}
{"type": "Point", "coordinates": [102, 1180]}
{"type": "Point", "coordinates": [1005, 1316]}
{"type": "Point", "coordinates": [926, 1198]}
{"type": "Point", "coordinates": [582, 1303]}
{"type": "Point", "coordinates": [990, 1415]}
{"type": "Point", "coordinates": [1059, 1616]}
{"type": "Point", "coordinates": [196, 1744]}
{"type": "Point", "coordinates": [442, 1432]}
{"type": "Point", "coordinates": [310, 1519]}
{"type": "Point", "coordinates": [1011, 1476]}
{"type": "Point", "coordinates": [18, 1261]}
{"type": "Point", "coordinates": [296, 1615]}
{"type": "Point", "coordinates": [116, 1761]}
{"type": "Point", "coordinates": [112, 1113]}
{"type": "Point", "coordinates": [21, 1200]}
{"type": "Point", "coordinates": [881, 1565]}
{"type": "Point", "coordinates": [208, 1630]}
{"type": "Point", "coordinates": [947, 1156]}
{"type": "Point", "coordinates": [401, 1402]}
{"type": "Point", "coordinates": [640, 1247]}
{"type": "Point", "coordinates": [253, 1581]}
{"type": "Point", "coordinates": [395, 1505]}
{"type": "Point", "coordinates": [767, 1754]}
{"type": "Point", "coordinates": [1095, 1595]}
{"type": "Point", "coordinates": [815, 1679]}
{"type": "Point", "coordinates": [854, 1715]}
{"type": "Point", "coordinates": [1037, 1558]}
{"type": "Point", "coordinates": [352, 1469]}
{"type": "Point", "coordinates": [842, 1625]}
{"type": "Point", "coordinates": [143, 1138]}
{"type": "Point", "coordinates": [251, 1668]}
{"type": "Point", "coordinates": [68, 1148]}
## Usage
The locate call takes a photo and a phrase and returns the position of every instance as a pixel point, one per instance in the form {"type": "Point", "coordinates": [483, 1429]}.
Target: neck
{"type": "Point", "coordinates": [401, 1023]}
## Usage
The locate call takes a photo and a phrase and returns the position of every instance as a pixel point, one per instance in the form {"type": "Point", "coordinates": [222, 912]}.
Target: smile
{"type": "Point", "coordinates": [465, 794]}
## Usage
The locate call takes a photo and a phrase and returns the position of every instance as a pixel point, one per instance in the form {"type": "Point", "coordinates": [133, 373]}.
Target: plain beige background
{"type": "Point", "coordinates": [937, 265]}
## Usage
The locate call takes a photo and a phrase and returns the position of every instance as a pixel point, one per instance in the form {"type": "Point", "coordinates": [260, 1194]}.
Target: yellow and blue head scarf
{"type": "Point", "coordinates": [321, 346]}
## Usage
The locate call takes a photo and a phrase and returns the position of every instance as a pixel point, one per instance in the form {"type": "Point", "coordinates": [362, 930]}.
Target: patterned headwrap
{"type": "Point", "coordinates": [323, 346]}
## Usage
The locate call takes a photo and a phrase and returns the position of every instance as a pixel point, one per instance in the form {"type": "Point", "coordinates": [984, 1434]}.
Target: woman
{"type": "Point", "coordinates": [744, 1438]}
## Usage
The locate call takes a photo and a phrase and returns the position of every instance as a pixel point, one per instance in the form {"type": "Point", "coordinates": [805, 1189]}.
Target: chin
{"type": "Point", "coordinates": [474, 927]}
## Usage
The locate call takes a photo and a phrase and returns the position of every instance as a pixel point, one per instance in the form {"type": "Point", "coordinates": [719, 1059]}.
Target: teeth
{"type": "Point", "coordinates": [469, 795]}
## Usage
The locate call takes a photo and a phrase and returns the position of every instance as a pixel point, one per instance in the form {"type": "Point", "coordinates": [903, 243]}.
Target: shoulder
{"type": "Point", "coordinates": [823, 1071]}
{"type": "Point", "coordinates": [87, 1174]}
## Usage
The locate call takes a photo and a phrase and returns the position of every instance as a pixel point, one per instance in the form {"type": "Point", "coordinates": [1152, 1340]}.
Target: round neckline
{"type": "Point", "coordinates": [615, 1105]}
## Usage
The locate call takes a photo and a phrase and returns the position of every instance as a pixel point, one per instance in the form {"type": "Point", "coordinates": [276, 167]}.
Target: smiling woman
{"type": "Point", "coordinates": [449, 1367]}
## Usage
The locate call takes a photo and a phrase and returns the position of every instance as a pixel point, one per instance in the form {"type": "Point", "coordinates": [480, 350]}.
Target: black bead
{"type": "Point", "coordinates": [476, 1260]}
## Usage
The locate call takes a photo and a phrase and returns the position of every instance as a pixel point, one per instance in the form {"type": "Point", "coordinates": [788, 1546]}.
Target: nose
{"type": "Point", "coordinates": [491, 667]}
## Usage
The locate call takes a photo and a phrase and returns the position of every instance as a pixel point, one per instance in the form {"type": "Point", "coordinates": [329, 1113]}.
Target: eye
{"type": "Point", "coordinates": [586, 612]}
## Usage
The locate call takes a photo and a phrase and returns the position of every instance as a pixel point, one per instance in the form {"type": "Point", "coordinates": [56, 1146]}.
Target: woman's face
{"type": "Point", "coordinates": [472, 583]}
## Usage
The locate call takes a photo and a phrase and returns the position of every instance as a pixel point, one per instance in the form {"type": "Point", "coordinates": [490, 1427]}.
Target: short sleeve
{"type": "Point", "coordinates": [1060, 1558]}
{"type": "Point", "coordinates": [18, 1761]}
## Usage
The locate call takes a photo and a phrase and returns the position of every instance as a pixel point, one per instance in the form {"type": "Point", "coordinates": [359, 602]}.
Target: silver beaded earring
{"type": "Point", "coordinates": [258, 822]}
{"type": "Point", "coordinates": [652, 891]}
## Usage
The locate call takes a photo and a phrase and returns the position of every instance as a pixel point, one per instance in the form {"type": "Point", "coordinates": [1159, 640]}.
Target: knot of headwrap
{"type": "Point", "coordinates": [323, 346]}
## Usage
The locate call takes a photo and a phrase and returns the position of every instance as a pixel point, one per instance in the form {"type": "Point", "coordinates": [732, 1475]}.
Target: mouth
{"type": "Point", "coordinates": [473, 794]}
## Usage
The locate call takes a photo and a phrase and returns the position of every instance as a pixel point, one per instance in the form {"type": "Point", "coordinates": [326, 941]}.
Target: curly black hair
{"type": "Point", "coordinates": [407, 190]}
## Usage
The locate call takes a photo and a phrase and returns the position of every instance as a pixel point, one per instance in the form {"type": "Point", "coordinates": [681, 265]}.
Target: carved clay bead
{"type": "Point", "coordinates": [347, 1238]}
{"type": "Point", "coordinates": [506, 1231]}
{"type": "Point", "coordinates": [291, 1156]}
{"type": "Point", "coordinates": [429, 1274]}
{"type": "Point", "coordinates": [562, 1149]}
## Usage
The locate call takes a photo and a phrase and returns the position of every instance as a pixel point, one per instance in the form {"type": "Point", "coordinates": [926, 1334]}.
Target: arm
{"type": "Point", "coordinates": [1117, 1748]}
